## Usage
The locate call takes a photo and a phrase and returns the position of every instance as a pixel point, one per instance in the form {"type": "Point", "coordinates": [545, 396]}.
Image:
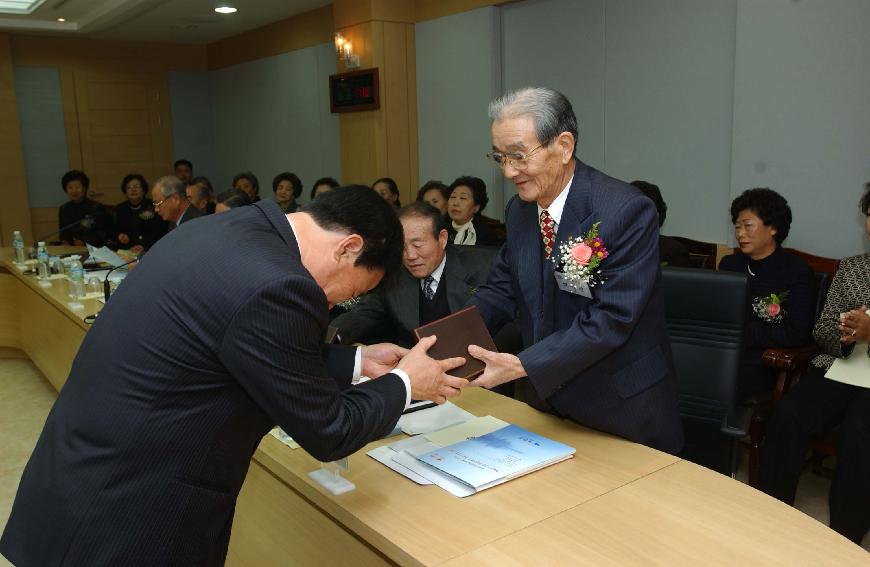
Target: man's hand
{"type": "Point", "coordinates": [501, 367]}
{"type": "Point", "coordinates": [380, 359]}
{"type": "Point", "coordinates": [855, 326]}
{"type": "Point", "coordinates": [429, 380]}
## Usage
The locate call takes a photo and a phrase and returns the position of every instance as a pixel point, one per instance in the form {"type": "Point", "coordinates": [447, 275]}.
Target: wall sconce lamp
{"type": "Point", "coordinates": [344, 50]}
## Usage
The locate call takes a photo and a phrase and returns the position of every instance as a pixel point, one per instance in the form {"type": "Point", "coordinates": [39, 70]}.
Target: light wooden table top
{"type": "Point", "coordinates": [58, 292]}
{"type": "Point", "coordinates": [682, 514]}
{"type": "Point", "coordinates": [426, 525]}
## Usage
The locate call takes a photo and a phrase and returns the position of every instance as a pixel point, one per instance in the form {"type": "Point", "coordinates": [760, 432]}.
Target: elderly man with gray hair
{"type": "Point", "coordinates": [581, 269]}
{"type": "Point", "coordinates": [170, 201]}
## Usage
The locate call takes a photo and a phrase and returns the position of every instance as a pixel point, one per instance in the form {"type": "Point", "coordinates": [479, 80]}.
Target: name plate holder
{"type": "Point", "coordinates": [329, 477]}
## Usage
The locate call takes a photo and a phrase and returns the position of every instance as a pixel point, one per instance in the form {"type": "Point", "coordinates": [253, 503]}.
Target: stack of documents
{"type": "Point", "coordinates": [471, 456]}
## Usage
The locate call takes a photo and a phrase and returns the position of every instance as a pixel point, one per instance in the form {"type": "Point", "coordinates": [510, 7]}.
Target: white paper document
{"type": "Point", "coordinates": [105, 255]}
{"type": "Point", "coordinates": [401, 456]}
{"type": "Point", "coordinates": [432, 419]}
{"type": "Point", "coordinates": [854, 370]}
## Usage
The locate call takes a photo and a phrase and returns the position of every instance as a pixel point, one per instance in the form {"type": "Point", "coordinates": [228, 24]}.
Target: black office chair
{"type": "Point", "coordinates": [705, 313]}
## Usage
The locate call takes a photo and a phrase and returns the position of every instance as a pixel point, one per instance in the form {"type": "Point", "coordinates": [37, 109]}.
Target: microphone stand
{"type": "Point", "coordinates": [106, 288]}
{"type": "Point", "coordinates": [61, 229]}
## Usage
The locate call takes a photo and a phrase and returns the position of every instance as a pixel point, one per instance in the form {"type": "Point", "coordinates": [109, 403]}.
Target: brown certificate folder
{"type": "Point", "coordinates": [455, 332]}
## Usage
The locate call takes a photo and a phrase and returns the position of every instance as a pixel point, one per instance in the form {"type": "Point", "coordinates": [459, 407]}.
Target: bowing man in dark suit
{"type": "Point", "coordinates": [598, 354]}
{"type": "Point", "coordinates": [145, 450]}
{"type": "Point", "coordinates": [171, 203]}
{"type": "Point", "coordinates": [437, 280]}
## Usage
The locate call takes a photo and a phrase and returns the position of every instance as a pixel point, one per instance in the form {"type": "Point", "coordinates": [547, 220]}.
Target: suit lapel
{"type": "Point", "coordinates": [575, 214]}
{"type": "Point", "coordinates": [529, 260]}
{"type": "Point", "coordinates": [454, 278]}
{"type": "Point", "coordinates": [406, 301]}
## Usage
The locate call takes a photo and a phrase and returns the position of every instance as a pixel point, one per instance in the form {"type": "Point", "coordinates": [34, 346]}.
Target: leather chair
{"type": "Point", "coordinates": [789, 364]}
{"type": "Point", "coordinates": [705, 313]}
{"type": "Point", "coordinates": [701, 254]}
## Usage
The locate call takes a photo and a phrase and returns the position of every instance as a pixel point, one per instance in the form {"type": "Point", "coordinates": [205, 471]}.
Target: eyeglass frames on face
{"type": "Point", "coordinates": [158, 203]}
{"type": "Point", "coordinates": [516, 160]}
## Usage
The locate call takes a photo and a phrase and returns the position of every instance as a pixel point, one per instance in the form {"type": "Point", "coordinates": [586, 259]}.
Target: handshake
{"type": "Point", "coordinates": [429, 378]}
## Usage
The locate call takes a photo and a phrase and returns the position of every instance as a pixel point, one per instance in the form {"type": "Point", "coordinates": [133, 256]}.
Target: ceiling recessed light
{"type": "Point", "coordinates": [61, 19]}
{"type": "Point", "coordinates": [223, 7]}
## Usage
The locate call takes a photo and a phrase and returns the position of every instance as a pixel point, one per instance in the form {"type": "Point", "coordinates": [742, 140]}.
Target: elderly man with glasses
{"type": "Point", "coordinates": [581, 271]}
{"type": "Point", "coordinates": [171, 203]}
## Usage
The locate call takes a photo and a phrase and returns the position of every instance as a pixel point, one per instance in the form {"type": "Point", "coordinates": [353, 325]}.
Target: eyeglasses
{"type": "Point", "coordinates": [158, 203]}
{"type": "Point", "coordinates": [516, 160]}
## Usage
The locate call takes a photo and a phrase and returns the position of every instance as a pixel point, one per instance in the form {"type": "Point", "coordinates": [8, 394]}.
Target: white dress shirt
{"type": "Point", "coordinates": [557, 206]}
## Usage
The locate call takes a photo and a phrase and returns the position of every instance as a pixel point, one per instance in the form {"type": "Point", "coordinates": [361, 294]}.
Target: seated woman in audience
{"type": "Point", "coordinates": [671, 251]}
{"type": "Point", "coordinates": [466, 203]}
{"type": "Point", "coordinates": [203, 197]}
{"type": "Point", "coordinates": [388, 190]}
{"type": "Point", "coordinates": [436, 194]}
{"type": "Point", "coordinates": [137, 226]}
{"type": "Point", "coordinates": [81, 220]}
{"type": "Point", "coordinates": [230, 199]}
{"type": "Point", "coordinates": [782, 288]}
{"type": "Point", "coordinates": [247, 182]}
{"type": "Point", "coordinates": [287, 188]}
{"type": "Point", "coordinates": [323, 185]}
{"type": "Point", "coordinates": [819, 401]}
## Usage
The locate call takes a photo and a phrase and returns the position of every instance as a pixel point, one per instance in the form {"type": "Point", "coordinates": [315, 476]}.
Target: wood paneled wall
{"type": "Point", "coordinates": [14, 212]}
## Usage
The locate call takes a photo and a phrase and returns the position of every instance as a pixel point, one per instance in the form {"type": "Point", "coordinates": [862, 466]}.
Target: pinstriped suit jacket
{"type": "Point", "coordinates": [604, 362]}
{"type": "Point", "coordinates": [212, 340]}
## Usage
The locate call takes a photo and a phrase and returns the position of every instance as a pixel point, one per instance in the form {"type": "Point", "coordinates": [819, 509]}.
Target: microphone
{"type": "Point", "coordinates": [106, 288]}
{"type": "Point", "coordinates": [86, 221]}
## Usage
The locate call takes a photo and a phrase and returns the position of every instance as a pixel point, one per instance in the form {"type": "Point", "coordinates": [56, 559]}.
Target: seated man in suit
{"type": "Point", "coordinates": [171, 203]}
{"type": "Point", "coordinates": [437, 280]}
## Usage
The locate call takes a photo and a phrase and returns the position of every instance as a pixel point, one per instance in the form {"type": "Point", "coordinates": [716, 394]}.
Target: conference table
{"type": "Point", "coordinates": [614, 503]}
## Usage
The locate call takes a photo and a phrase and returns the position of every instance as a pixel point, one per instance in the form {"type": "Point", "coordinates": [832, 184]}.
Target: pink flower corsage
{"type": "Point", "coordinates": [580, 258]}
{"type": "Point", "coordinates": [769, 308]}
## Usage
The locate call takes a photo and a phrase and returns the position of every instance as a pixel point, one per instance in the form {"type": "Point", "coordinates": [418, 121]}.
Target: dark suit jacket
{"type": "Point", "coordinates": [393, 313]}
{"type": "Point", "coordinates": [484, 236]}
{"type": "Point", "coordinates": [604, 362]}
{"type": "Point", "coordinates": [189, 214]}
{"type": "Point", "coordinates": [146, 448]}
{"type": "Point", "coordinates": [779, 272]}
{"type": "Point", "coordinates": [97, 231]}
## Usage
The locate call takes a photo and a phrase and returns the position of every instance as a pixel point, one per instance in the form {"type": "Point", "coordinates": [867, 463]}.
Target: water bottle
{"type": "Point", "coordinates": [42, 260]}
{"type": "Point", "coordinates": [76, 279]}
{"type": "Point", "coordinates": [18, 247]}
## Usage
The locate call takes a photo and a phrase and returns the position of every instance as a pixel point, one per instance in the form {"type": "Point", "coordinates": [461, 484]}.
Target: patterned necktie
{"type": "Point", "coordinates": [428, 292]}
{"type": "Point", "coordinates": [548, 233]}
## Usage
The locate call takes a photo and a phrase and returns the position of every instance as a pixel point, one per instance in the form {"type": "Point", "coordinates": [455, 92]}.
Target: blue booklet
{"type": "Point", "coordinates": [496, 457]}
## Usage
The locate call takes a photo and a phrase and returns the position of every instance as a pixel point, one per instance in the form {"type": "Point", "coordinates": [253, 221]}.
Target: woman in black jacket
{"type": "Point", "coordinates": [467, 200]}
{"type": "Point", "coordinates": [137, 226]}
{"type": "Point", "coordinates": [782, 287]}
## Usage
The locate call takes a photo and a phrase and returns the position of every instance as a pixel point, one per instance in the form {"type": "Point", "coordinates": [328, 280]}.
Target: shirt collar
{"type": "Point", "coordinates": [436, 275]}
{"type": "Point", "coordinates": [558, 205]}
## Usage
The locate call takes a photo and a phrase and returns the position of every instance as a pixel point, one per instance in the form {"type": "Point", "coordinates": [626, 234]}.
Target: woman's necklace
{"type": "Point", "coordinates": [748, 269]}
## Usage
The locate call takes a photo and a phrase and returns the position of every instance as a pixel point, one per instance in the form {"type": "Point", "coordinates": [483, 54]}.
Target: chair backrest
{"type": "Point", "coordinates": [498, 228]}
{"type": "Point", "coordinates": [701, 254]}
{"type": "Point", "coordinates": [705, 312]}
{"type": "Point", "coordinates": [824, 268]}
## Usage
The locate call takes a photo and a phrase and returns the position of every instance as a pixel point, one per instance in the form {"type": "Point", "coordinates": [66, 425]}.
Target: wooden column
{"type": "Point", "coordinates": [381, 142]}
{"type": "Point", "coordinates": [15, 210]}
